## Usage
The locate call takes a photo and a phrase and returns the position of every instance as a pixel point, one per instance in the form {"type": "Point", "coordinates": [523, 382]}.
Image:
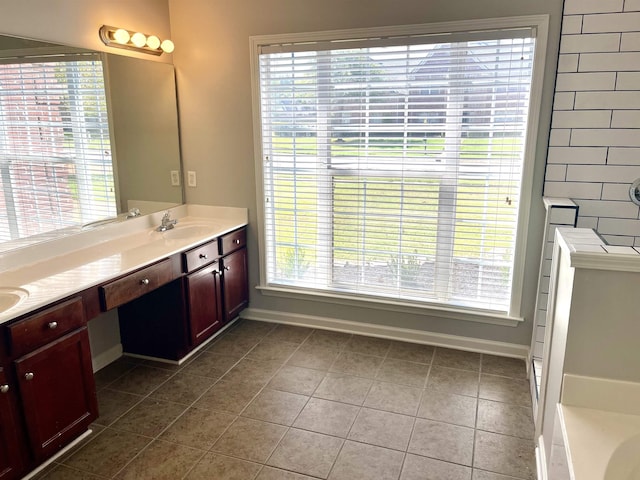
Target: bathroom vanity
{"type": "Point", "coordinates": [173, 290]}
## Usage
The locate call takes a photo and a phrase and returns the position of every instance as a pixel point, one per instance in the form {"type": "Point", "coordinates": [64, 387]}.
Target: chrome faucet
{"type": "Point", "coordinates": [167, 223]}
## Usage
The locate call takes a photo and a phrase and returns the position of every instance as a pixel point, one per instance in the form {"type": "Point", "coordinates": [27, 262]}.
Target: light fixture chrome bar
{"type": "Point", "coordinates": [108, 36]}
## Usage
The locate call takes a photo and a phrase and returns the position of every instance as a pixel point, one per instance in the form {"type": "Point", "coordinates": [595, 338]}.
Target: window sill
{"type": "Point", "coordinates": [365, 301]}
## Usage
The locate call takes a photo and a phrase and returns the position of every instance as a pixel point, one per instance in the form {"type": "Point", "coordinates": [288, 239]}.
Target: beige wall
{"type": "Point", "coordinates": [76, 22]}
{"type": "Point", "coordinates": [213, 69]}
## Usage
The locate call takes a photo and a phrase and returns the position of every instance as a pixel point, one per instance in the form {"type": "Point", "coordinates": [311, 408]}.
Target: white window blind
{"type": "Point", "coordinates": [55, 153]}
{"type": "Point", "coordinates": [395, 170]}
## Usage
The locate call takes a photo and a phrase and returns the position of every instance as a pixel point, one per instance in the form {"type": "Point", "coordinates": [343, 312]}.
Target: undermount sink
{"type": "Point", "coordinates": [10, 297]}
{"type": "Point", "coordinates": [188, 230]}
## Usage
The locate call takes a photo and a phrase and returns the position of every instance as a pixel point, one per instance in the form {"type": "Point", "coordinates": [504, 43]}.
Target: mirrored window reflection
{"type": "Point", "coordinates": [55, 154]}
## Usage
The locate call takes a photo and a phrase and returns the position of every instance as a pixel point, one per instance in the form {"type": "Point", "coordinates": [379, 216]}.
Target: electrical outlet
{"type": "Point", "coordinates": [191, 178]}
{"type": "Point", "coordinates": [175, 178]}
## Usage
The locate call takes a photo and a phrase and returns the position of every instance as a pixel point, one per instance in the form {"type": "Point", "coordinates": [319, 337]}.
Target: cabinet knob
{"type": "Point", "coordinates": [4, 388]}
{"type": "Point", "coordinates": [236, 241]}
{"type": "Point", "coordinates": [29, 376]}
{"type": "Point", "coordinates": [53, 325]}
{"type": "Point", "coordinates": [204, 256]}
{"type": "Point", "coordinates": [144, 281]}
{"type": "Point", "coordinates": [226, 269]}
{"type": "Point", "coordinates": [216, 272]}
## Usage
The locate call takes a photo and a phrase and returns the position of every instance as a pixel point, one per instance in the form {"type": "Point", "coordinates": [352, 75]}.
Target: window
{"type": "Point", "coordinates": [392, 167]}
{"type": "Point", "coordinates": [55, 153]}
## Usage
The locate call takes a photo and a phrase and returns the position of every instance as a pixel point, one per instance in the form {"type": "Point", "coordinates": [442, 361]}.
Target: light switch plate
{"type": "Point", "coordinates": [191, 178]}
{"type": "Point", "coordinates": [175, 178]}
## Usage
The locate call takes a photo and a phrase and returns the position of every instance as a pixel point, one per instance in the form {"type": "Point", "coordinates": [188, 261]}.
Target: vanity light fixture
{"type": "Point", "coordinates": [136, 41]}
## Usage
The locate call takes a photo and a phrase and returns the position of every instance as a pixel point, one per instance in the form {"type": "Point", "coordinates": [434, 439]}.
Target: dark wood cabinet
{"type": "Point", "coordinates": [47, 389]}
{"type": "Point", "coordinates": [12, 448]}
{"type": "Point", "coordinates": [172, 320]}
{"type": "Point", "coordinates": [58, 392]}
{"type": "Point", "coordinates": [235, 283]}
{"type": "Point", "coordinates": [205, 303]}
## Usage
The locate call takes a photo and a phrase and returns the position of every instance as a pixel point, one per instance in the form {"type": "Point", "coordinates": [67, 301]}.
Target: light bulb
{"type": "Point", "coordinates": [139, 39]}
{"type": "Point", "coordinates": [121, 36]}
{"type": "Point", "coordinates": [167, 46]}
{"type": "Point", "coordinates": [153, 42]}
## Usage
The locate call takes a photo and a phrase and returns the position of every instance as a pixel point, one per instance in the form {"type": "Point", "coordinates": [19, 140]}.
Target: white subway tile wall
{"type": "Point", "coordinates": [560, 213]}
{"type": "Point", "coordinates": [594, 146]}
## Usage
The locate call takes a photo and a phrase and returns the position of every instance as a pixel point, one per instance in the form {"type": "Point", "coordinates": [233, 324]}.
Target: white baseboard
{"type": "Point", "coordinates": [106, 357]}
{"type": "Point", "coordinates": [393, 333]}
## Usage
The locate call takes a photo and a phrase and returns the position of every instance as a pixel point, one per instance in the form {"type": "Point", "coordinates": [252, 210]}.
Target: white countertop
{"type": "Point", "coordinates": [59, 268]}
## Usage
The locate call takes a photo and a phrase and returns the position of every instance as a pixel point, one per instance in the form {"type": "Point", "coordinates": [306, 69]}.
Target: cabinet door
{"type": "Point", "coordinates": [236, 283]}
{"type": "Point", "coordinates": [58, 392]}
{"type": "Point", "coordinates": [11, 452]}
{"type": "Point", "coordinates": [205, 303]}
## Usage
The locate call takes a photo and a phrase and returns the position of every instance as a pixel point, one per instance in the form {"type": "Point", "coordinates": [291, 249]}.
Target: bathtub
{"type": "Point", "coordinates": [601, 445]}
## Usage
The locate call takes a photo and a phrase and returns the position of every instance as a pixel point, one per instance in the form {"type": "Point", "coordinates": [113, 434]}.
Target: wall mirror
{"type": "Point", "coordinates": [85, 137]}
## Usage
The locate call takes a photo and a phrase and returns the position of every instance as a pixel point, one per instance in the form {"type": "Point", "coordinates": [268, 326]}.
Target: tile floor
{"type": "Point", "coordinates": [275, 402]}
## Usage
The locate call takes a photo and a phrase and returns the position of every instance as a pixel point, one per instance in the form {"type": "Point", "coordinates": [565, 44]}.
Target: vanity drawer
{"type": "Point", "coordinates": [200, 256]}
{"type": "Point", "coordinates": [135, 284]}
{"type": "Point", "coordinates": [36, 330]}
{"type": "Point", "coordinates": [233, 241]}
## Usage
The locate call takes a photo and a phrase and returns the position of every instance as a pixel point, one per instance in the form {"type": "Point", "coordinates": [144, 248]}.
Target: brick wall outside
{"type": "Point", "coordinates": [594, 147]}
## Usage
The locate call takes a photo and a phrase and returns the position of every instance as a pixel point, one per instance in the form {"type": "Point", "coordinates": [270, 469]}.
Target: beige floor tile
{"type": "Point", "coordinates": [270, 473]}
{"type": "Point", "coordinates": [161, 461]}
{"type": "Point", "coordinates": [62, 472]}
{"type": "Point", "coordinates": [327, 338]}
{"type": "Point", "coordinates": [112, 404]}
{"type": "Point", "coordinates": [442, 441]}
{"type": "Point", "coordinates": [411, 352]}
{"type": "Point", "coordinates": [272, 351]}
{"type": "Point", "coordinates": [306, 452]}
{"type": "Point", "coordinates": [252, 371]}
{"type": "Point", "coordinates": [113, 371]}
{"type": "Point", "coordinates": [448, 407]}
{"type": "Point", "coordinates": [198, 428]}
{"type": "Point", "coordinates": [358, 461]}
{"type": "Point", "coordinates": [296, 380]}
{"type": "Point", "coordinates": [423, 468]}
{"type": "Point", "coordinates": [505, 418]}
{"type": "Point", "coordinates": [447, 357]}
{"type": "Point", "coordinates": [394, 398]}
{"type": "Point", "coordinates": [250, 439]}
{"type": "Point", "coordinates": [325, 416]}
{"type": "Point", "coordinates": [182, 388]}
{"type": "Point", "coordinates": [368, 345]}
{"type": "Point", "coordinates": [141, 380]}
{"type": "Point", "coordinates": [252, 328]}
{"type": "Point", "coordinates": [505, 455]}
{"type": "Point", "coordinates": [317, 357]}
{"type": "Point", "coordinates": [275, 406]}
{"type": "Point", "coordinates": [289, 333]}
{"type": "Point", "coordinates": [384, 429]}
{"type": "Point", "coordinates": [505, 366]}
{"type": "Point", "coordinates": [503, 389]}
{"type": "Point", "coordinates": [403, 372]}
{"type": "Point", "coordinates": [172, 367]}
{"type": "Point", "coordinates": [482, 475]}
{"type": "Point", "coordinates": [231, 397]}
{"type": "Point", "coordinates": [463, 382]}
{"type": "Point", "coordinates": [209, 364]}
{"type": "Point", "coordinates": [149, 418]}
{"type": "Point", "coordinates": [356, 364]}
{"type": "Point", "coordinates": [219, 467]}
{"type": "Point", "coordinates": [108, 453]}
{"type": "Point", "coordinates": [233, 345]}
{"type": "Point", "coordinates": [343, 388]}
